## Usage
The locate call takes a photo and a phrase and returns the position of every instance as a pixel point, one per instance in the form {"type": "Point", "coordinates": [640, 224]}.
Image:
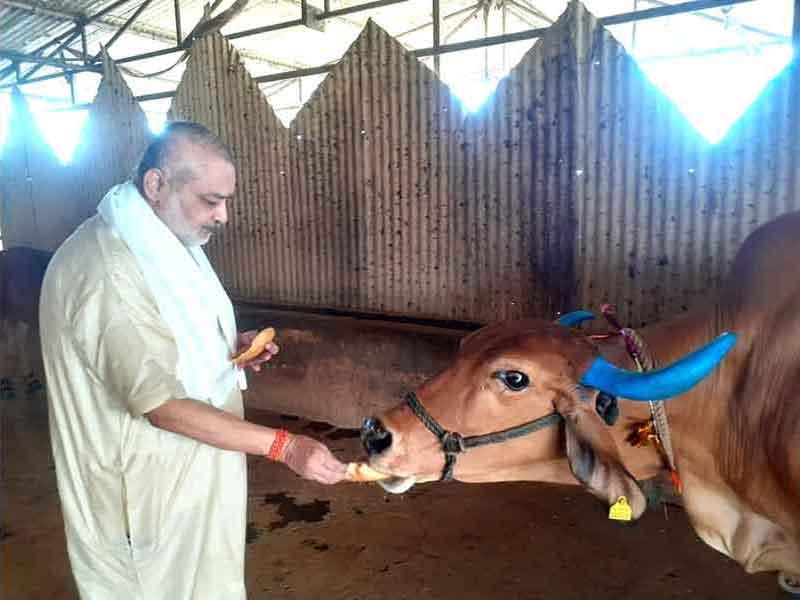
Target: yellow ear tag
{"type": "Point", "coordinates": [620, 510]}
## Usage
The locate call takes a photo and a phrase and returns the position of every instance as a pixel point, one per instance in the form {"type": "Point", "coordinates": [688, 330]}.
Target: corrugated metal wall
{"type": "Point", "coordinates": [349, 209]}
{"type": "Point", "coordinates": [115, 135]}
{"type": "Point", "coordinates": [372, 172]}
{"type": "Point", "coordinates": [34, 186]}
{"type": "Point", "coordinates": [255, 254]}
{"type": "Point", "coordinates": [578, 183]}
{"type": "Point", "coordinates": [661, 213]}
{"type": "Point", "coordinates": [43, 201]}
{"type": "Point", "coordinates": [514, 176]}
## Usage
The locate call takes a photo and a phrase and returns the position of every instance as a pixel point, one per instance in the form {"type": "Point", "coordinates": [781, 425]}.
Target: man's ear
{"type": "Point", "coordinates": [593, 456]}
{"type": "Point", "coordinates": [153, 183]}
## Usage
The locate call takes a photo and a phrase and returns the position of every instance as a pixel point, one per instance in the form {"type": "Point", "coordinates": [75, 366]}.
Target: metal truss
{"type": "Point", "coordinates": [51, 53]}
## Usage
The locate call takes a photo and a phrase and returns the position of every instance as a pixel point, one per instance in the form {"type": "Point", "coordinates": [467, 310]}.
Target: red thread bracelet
{"type": "Point", "coordinates": [278, 444]}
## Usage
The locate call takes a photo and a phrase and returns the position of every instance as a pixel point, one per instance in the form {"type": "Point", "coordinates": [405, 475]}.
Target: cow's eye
{"type": "Point", "coordinates": [516, 381]}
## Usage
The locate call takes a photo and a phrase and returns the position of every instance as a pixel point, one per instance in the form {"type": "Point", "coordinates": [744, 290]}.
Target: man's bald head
{"type": "Point", "coordinates": [172, 150]}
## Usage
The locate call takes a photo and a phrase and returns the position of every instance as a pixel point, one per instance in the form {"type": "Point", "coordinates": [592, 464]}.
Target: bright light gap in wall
{"type": "Point", "coordinates": [712, 91]}
{"type": "Point", "coordinates": [711, 64]}
{"type": "Point", "coordinates": [714, 88]}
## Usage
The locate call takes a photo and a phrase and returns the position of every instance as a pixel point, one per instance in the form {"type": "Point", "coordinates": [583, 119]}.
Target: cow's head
{"type": "Point", "coordinates": [519, 372]}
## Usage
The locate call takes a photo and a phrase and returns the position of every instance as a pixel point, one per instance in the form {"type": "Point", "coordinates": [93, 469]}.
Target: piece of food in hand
{"type": "Point", "coordinates": [363, 473]}
{"type": "Point", "coordinates": [257, 347]}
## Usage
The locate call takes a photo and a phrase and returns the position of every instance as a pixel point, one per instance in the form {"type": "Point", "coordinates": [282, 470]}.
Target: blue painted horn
{"type": "Point", "coordinates": [672, 380]}
{"type": "Point", "coordinates": [574, 318]}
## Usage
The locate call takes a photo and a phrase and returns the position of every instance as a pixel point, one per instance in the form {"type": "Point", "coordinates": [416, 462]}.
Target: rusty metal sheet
{"type": "Point", "coordinates": [33, 183]}
{"type": "Point", "coordinates": [661, 212]}
{"type": "Point", "coordinates": [256, 255]}
{"type": "Point", "coordinates": [375, 143]}
{"type": "Point", "coordinates": [113, 139]}
{"type": "Point", "coordinates": [44, 201]}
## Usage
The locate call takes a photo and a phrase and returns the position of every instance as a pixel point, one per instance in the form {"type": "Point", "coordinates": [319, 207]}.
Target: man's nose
{"type": "Point", "coordinates": [374, 436]}
{"type": "Point", "coordinates": [221, 213]}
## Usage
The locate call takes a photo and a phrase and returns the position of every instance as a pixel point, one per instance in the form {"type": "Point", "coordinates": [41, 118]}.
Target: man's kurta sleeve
{"type": "Point", "coordinates": [127, 343]}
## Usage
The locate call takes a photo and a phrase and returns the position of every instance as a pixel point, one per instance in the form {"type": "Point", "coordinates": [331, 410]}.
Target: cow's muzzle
{"type": "Point", "coordinates": [374, 437]}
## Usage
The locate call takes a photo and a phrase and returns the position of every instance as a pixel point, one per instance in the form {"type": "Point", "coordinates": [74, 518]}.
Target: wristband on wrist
{"type": "Point", "coordinates": [278, 445]}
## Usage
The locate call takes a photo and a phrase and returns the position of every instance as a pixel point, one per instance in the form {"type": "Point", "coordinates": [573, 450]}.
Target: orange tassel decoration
{"type": "Point", "coordinates": [643, 433]}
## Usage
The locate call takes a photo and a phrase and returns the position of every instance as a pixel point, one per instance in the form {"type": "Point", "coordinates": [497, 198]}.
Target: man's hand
{"type": "Point", "coordinates": [312, 460]}
{"type": "Point", "coordinates": [205, 423]}
{"type": "Point", "coordinates": [243, 342]}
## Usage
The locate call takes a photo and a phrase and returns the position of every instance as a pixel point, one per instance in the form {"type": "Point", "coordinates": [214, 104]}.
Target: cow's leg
{"type": "Point", "coordinates": [723, 522]}
{"type": "Point", "coordinates": [8, 362]}
{"type": "Point", "coordinates": [33, 385]}
{"type": "Point", "coordinates": [23, 350]}
{"type": "Point", "coordinates": [6, 388]}
{"type": "Point", "coordinates": [31, 361]}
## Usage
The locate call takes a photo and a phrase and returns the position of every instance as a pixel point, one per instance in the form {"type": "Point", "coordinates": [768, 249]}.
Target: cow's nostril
{"type": "Point", "coordinates": [374, 436]}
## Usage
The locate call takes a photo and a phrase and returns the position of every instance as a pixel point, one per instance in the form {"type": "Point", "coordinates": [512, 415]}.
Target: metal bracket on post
{"type": "Point", "coordinates": [436, 36]}
{"type": "Point", "coordinates": [70, 77]}
{"type": "Point", "coordinates": [80, 23]}
{"type": "Point", "coordinates": [311, 18]}
{"type": "Point", "coordinates": [178, 32]}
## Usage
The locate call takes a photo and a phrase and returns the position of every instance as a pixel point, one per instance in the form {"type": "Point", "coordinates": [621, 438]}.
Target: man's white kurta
{"type": "Point", "coordinates": [149, 515]}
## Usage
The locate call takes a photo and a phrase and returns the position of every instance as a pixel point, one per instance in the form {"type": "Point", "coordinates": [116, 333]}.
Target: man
{"type": "Point", "coordinates": [145, 405]}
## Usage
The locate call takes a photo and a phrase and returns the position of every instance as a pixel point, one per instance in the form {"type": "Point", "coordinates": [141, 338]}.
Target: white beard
{"type": "Point", "coordinates": [174, 219]}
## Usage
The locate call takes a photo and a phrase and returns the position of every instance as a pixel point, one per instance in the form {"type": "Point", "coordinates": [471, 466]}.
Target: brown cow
{"type": "Point", "coordinates": [21, 273]}
{"type": "Point", "coordinates": [736, 434]}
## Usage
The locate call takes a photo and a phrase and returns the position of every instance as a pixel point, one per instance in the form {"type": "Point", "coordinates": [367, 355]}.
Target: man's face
{"type": "Point", "coordinates": [193, 203]}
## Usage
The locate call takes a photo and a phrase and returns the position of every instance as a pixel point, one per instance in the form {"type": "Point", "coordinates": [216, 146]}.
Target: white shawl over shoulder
{"type": "Point", "coordinates": [188, 292]}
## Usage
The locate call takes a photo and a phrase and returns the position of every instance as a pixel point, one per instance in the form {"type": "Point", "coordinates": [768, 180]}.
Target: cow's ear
{"type": "Point", "coordinates": [593, 456]}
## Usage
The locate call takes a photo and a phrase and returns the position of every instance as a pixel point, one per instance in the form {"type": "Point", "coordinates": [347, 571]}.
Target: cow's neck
{"type": "Point", "coordinates": [666, 342]}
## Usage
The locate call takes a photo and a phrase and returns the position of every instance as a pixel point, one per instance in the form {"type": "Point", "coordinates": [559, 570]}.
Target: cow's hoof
{"type": "Point", "coordinates": [789, 584]}
{"type": "Point", "coordinates": [6, 389]}
{"type": "Point", "coordinates": [34, 387]}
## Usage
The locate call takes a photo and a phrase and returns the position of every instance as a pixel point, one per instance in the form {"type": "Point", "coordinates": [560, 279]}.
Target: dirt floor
{"type": "Point", "coordinates": [352, 541]}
